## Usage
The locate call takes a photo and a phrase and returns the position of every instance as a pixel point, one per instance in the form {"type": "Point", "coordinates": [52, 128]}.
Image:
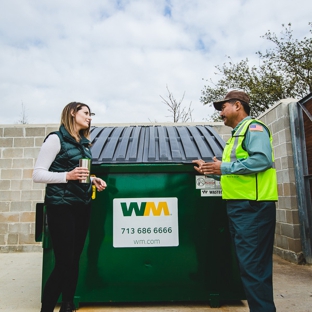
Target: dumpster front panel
{"type": "Point", "coordinates": [201, 265]}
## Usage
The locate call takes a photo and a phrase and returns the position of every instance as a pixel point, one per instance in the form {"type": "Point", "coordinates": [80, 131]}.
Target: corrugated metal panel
{"type": "Point", "coordinates": [154, 144]}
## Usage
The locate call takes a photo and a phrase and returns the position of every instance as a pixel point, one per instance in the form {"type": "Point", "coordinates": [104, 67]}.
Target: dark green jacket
{"type": "Point", "coordinates": [67, 159]}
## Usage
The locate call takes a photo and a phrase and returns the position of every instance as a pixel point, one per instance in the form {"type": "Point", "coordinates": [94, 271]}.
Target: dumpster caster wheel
{"type": "Point", "coordinates": [214, 301]}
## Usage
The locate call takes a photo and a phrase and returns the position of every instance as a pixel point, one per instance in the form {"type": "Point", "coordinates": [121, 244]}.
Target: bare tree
{"type": "Point", "coordinates": [178, 113]}
{"type": "Point", "coordinates": [23, 119]}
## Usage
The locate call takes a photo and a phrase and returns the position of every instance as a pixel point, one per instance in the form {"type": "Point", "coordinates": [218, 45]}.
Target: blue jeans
{"type": "Point", "coordinates": [252, 228]}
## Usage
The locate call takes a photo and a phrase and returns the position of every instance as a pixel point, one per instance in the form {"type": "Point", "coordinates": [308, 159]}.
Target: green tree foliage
{"type": "Point", "coordinates": [284, 71]}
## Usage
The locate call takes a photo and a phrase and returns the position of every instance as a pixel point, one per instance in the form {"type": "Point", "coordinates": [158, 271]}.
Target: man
{"type": "Point", "coordinates": [248, 181]}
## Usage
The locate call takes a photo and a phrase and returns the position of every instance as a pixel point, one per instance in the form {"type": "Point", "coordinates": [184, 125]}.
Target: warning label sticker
{"type": "Point", "coordinates": [208, 186]}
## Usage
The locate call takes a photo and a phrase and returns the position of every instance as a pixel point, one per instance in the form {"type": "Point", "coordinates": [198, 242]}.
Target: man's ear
{"type": "Point", "coordinates": [238, 105]}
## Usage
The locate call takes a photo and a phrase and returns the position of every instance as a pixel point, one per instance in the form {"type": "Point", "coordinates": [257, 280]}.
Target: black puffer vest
{"type": "Point", "coordinates": [67, 159]}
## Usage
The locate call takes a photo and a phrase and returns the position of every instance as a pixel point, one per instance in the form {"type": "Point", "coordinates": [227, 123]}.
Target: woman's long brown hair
{"type": "Point", "coordinates": [68, 122]}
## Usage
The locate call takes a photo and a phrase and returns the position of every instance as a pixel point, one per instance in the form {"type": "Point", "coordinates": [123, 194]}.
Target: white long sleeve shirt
{"type": "Point", "coordinates": [49, 149]}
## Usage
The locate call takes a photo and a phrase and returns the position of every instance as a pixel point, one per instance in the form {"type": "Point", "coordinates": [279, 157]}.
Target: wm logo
{"type": "Point", "coordinates": [145, 209]}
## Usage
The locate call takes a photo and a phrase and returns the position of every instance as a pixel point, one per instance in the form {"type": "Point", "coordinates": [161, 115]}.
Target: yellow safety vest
{"type": "Point", "coordinates": [260, 186]}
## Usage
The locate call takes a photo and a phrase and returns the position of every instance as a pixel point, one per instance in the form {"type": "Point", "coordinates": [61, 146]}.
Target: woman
{"type": "Point", "coordinates": [68, 202]}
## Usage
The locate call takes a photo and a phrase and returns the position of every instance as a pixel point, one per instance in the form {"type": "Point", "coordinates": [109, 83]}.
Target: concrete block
{"type": "Point", "coordinates": [23, 142]}
{"type": "Point", "coordinates": [51, 129]}
{"type": "Point", "coordinates": [26, 239]}
{"type": "Point", "coordinates": [290, 230]}
{"type": "Point", "coordinates": [23, 163]}
{"type": "Point", "coordinates": [12, 239]}
{"type": "Point", "coordinates": [27, 216]}
{"type": "Point", "coordinates": [276, 139]}
{"type": "Point", "coordinates": [31, 152]}
{"type": "Point", "coordinates": [35, 131]}
{"type": "Point", "coordinates": [38, 186]}
{"type": "Point", "coordinates": [39, 141]}
{"type": "Point", "coordinates": [278, 164]}
{"type": "Point", "coordinates": [289, 202]}
{"type": "Point", "coordinates": [294, 245]}
{"type": "Point", "coordinates": [4, 227]}
{"type": "Point", "coordinates": [294, 202]}
{"type": "Point", "coordinates": [21, 228]}
{"type": "Point", "coordinates": [6, 163]}
{"type": "Point", "coordinates": [5, 185]}
{"type": "Point", "coordinates": [6, 142]}
{"type": "Point", "coordinates": [33, 195]}
{"type": "Point", "coordinates": [9, 217]}
{"type": "Point", "coordinates": [19, 185]}
{"type": "Point", "coordinates": [3, 239]}
{"type": "Point", "coordinates": [13, 152]}
{"type": "Point", "coordinates": [10, 195]}
{"type": "Point", "coordinates": [9, 174]}
{"type": "Point", "coordinates": [280, 176]}
{"type": "Point", "coordinates": [281, 202]}
{"type": "Point", "coordinates": [13, 132]}
{"type": "Point", "coordinates": [297, 258]}
{"type": "Point", "coordinates": [285, 135]}
{"type": "Point", "coordinates": [289, 149]}
{"type": "Point", "coordinates": [280, 189]}
{"type": "Point", "coordinates": [292, 216]}
{"type": "Point", "coordinates": [5, 206]}
{"type": "Point", "coordinates": [283, 150]}
{"type": "Point", "coordinates": [20, 248]}
{"type": "Point", "coordinates": [280, 124]}
{"type": "Point", "coordinates": [270, 117]}
{"type": "Point", "coordinates": [288, 175]}
{"type": "Point", "coordinates": [34, 203]}
{"type": "Point", "coordinates": [19, 206]}
{"type": "Point", "coordinates": [27, 173]}
{"type": "Point", "coordinates": [281, 216]}
{"type": "Point", "coordinates": [278, 228]}
{"type": "Point", "coordinates": [289, 189]}
{"type": "Point", "coordinates": [287, 162]}
{"type": "Point", "coordinates": [281, 241]}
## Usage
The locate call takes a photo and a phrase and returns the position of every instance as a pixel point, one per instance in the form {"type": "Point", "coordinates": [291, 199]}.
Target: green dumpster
{"type": "Point", "coordinates": [159, 232]}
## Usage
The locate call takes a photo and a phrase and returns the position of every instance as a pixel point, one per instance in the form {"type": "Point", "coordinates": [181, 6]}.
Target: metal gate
{"type": "Point", "coordinates": [301, 129]}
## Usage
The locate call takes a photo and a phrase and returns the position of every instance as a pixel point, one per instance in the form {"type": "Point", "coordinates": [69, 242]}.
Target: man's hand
{"type": "Point", "coordinates": [199, 163]}
{"type": "Point", "coordinates": [208, 167]}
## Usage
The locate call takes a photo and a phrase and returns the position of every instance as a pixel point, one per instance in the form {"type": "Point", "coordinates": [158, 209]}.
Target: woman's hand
{"type": "Point", "coordinates": [99, 184]}
{"type": "Point", "coordinates": [79, 173]}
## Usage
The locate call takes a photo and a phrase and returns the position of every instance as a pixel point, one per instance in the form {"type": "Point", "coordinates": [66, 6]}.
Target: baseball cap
{"type": "Point", "coordinates": [232, 95]}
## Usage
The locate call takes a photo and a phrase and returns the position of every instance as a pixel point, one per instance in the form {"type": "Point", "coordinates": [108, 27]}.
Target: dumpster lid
{"type": "Point", "coordinates": [154, 144]}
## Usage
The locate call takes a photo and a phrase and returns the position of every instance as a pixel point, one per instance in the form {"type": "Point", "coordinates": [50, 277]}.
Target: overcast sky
{"type": "Point", "coordinates": [119, 56]}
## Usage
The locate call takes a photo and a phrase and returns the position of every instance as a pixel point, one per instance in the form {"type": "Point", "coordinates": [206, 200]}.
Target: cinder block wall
{"type": "Point", "coordinates": [19, 147]}
{"type": "Point", "coordinates": [287, 233]}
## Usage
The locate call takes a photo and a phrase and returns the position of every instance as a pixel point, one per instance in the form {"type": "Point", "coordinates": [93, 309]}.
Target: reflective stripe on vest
{"type": "Point", "coordinates": [260, 186]}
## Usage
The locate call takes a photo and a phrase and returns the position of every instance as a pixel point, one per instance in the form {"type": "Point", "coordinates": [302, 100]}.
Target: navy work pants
{"type": "Point", "coordinates": [252, 228]}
